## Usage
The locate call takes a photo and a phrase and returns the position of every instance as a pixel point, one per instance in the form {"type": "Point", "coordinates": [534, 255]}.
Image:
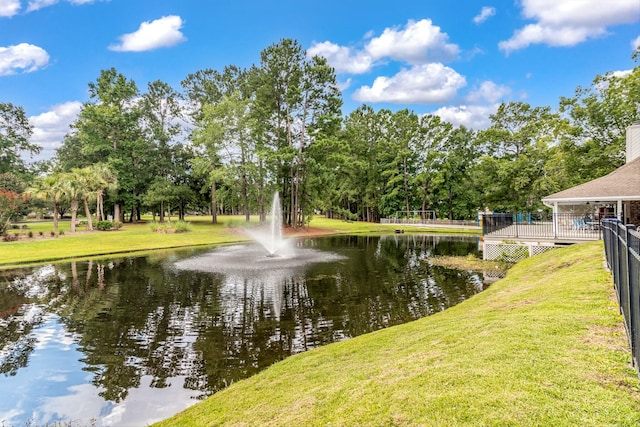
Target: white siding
{"type": "Point", "coordinates": [633, 142]}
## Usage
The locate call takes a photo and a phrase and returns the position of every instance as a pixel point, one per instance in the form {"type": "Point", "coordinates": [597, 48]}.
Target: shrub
{"type": "Point", "coordinates": [30, 234]}
{"type": "Point", "coordinates": [9, 237]}
{"type": "Point", "coordinates": [233, 223]}
{"type": "Point", "coordinates": [41, 233]}
{"type": "Point", "coordinates": [104, 225]}
{"type": "Point", "coordinates": [10, 205]}
{"type": "Point", "coordinates": [53, 234]}
{"type": "Point", "coordinates": [117, 225]}
{"type": "Point", "coordinates": [158, 227]}
{"type": "Point", "coordinates": [171, 227]}
{"type": "Point", "coordinates": [181, 226]}
{"type": "Point", "coordinates": [61, 233]}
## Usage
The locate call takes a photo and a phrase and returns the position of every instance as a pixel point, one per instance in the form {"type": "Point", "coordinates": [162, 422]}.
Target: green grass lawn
{"type": "Point", "coordinates": [131, 238]}
{"type": "Point", "coordinates": [139, 237]}
{"type": "Point", "coordinates": [542, 347]}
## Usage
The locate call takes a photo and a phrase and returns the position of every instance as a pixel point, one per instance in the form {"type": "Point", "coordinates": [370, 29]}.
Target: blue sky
{"type": "Point", "coordinates": [458, 59]}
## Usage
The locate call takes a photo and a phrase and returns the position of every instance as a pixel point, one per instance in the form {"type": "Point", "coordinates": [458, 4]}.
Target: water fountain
{"type": "Point", "coordinates": [271, 252]}
{"type": "Point", "coordinates": [272, 238]}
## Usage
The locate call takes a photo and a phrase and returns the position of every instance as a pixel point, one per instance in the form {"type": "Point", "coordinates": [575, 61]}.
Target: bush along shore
{"type": "Point", "coordinates": [544, 346]}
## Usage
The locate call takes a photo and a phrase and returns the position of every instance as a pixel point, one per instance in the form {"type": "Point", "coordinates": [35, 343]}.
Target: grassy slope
{"type": "Point", "coordinates": [542, 347]}
{"type": "Point", "coordinates": [138, 237]}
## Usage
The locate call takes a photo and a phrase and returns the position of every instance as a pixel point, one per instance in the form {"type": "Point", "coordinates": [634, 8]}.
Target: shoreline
{"type": "Point", "coordinates": [137, 238]}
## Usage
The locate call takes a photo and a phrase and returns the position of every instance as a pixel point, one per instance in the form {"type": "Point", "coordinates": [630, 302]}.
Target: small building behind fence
{"type": "Point", "coordinates": [577, 212]}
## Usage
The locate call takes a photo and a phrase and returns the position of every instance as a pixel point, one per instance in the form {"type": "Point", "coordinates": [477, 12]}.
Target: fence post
{"type": "Point", "coordinates": [633, 297]}
{"type": "Point", "coordinates": [615, 259]}
{"type": "Point", "coordinates": [623, 276]}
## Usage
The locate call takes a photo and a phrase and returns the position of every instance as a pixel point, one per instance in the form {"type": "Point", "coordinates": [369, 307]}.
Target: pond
{"type": "Point", "coordinates": [133, 340]}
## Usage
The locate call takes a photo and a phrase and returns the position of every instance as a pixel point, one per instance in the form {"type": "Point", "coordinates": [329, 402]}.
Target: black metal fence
{"type": "Point", "coordinates": [541, 225]}
{"type": "Point", "coordinates": [622, 250]}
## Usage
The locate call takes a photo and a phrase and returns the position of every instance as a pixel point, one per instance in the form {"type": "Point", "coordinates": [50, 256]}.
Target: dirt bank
{"type": "Point", "coordinates": [307, 232]}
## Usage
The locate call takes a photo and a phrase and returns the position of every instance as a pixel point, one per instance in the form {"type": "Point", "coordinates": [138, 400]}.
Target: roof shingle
{"type": "Point", "coordinates": [623, 183]}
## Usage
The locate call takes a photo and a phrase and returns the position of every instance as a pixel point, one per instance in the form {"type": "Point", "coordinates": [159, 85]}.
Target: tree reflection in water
{"type": "Point", "coordinates": [141, 317]}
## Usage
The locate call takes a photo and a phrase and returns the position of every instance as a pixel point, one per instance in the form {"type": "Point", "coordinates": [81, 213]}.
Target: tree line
{"type": "Point", "coordinates": [228, 139]}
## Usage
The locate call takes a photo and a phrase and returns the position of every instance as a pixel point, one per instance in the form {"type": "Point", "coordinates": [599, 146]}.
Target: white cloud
{"type": "Point", "coordinates": [39, 4]}
{"type": "Point", "coordinates": [24, 56]}
{"type": "Point", "coordinates": [6, 417]}
{"type": "Point", "coordinates": [621, 73]}
{"type": "Point", "coordinates": [589, 13]}
{"type": "Point", "coordinates": [421, 84]}
{"type": "Point", "coordinates": [344, 85]}
{"type": "Point", "coordinates": [470, 116]}
{"type": "Point", "coordinates": [163, 32]}
{"type": "Point", "coordinates": [417, 43]}
{"type": "Point", "coordinates": [535, 33]}
{"type": "Point", "coordinates": [604, 83]}
{"type": "Point", "coordinates": [343, 59]}
{"type": "Point", "coordinates": [8, 8]}
{"type": "Point", "coordinates": [635, 43]}
{"type": "Point", "coordinates": [50, 128]}
{"type": "Point", "coordinates": [484, 14]}
{"type": "Point", "coordinates": [567, 23]}
{"type": "Point", "coordinates": [481, 102]}
{"type": "Point", "coordinates": [487, 92]}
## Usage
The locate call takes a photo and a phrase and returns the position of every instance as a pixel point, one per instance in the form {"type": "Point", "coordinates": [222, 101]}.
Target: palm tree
{"type": "Point", "coordinates": [71, 186]}
{"type": "Point", "coordinates": [103, 179]}
{"type": "Point", "coordinates": [86, 184]}
{"type": "Point", "coordinates": [87, 181]}
{"type": "Point", "coordinates": [49, 188]}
